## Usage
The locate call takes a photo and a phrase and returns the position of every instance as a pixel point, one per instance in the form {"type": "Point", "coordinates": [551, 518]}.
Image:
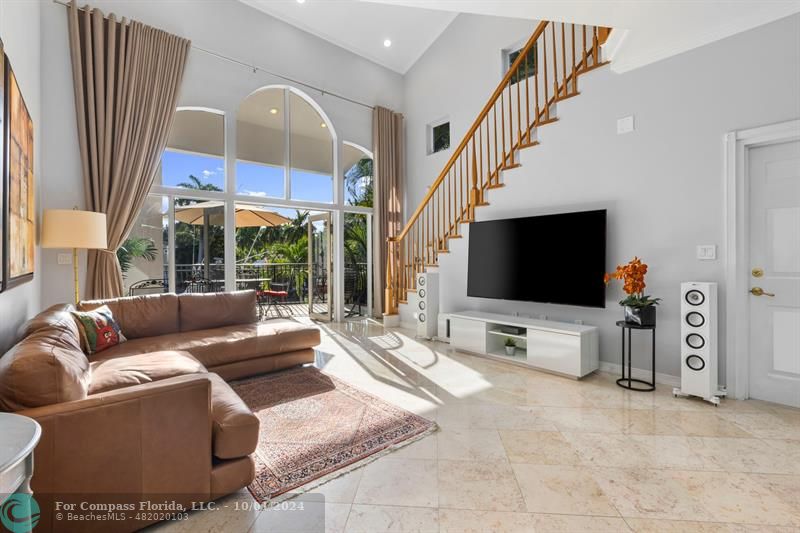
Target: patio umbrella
{"type": "Point", "coordinates": [213, 213]}
{"type": "Point", "coordinates": [247, 216]}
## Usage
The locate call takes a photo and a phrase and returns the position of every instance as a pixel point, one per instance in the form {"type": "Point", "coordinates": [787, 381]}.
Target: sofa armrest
{"type": "Point", "coordinates": [149, 442]}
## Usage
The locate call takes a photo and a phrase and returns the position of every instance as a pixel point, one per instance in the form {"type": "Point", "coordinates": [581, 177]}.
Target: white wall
{"type": "Point", "coordinates": [19, 30]}
{"type": "Point", "coordinates": [662, 184]}
{"type": "Point", "coordinates": [227, 27]}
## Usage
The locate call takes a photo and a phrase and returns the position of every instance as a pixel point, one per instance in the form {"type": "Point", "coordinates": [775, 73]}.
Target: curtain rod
{"type": "Point", "coordinates": [255, 68]}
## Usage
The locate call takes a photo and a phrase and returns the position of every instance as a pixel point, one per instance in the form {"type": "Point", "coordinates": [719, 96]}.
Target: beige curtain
{"type": "Point", "coordinates": [388, 145]}
{"type": "Point", "coordinates": [127, 77]}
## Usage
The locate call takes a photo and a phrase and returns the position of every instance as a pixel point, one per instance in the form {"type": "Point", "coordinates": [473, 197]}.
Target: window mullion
{"type": "Point", "coordinates": [287, 146]}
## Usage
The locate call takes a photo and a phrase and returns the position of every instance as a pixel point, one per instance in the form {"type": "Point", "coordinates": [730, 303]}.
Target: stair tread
{"type": "Point", "coordinates": [512, 166]}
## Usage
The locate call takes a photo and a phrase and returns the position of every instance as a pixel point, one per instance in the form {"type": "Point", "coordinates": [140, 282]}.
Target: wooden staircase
{"type": "Point", "coordinates": [545, 72]}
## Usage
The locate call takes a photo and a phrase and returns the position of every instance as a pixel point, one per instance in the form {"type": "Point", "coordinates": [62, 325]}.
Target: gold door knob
{"type": "Point", "coordinates": [758, 291]}
{"type": "Point", "coordinates": [757, 272]}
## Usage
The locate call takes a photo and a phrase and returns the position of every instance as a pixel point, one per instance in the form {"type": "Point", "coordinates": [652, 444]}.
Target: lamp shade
{"type": "Point", "coordinates": [70, 228]}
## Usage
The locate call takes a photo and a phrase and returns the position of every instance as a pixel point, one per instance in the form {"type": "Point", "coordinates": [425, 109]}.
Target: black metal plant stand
{"type": "Point", "coordinates": [627, 382]}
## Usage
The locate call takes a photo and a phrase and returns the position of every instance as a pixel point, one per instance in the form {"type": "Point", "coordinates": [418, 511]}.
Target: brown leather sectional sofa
{"type": "Point", "coordinates": [151, 418]}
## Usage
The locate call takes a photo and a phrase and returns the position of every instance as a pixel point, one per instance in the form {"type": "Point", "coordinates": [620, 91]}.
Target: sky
{"type": "Point", "coordinates": [251, 179]}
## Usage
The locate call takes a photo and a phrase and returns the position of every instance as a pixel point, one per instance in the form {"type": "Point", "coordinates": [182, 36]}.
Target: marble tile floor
{"type": "Point", "coordinates": [521, 450]}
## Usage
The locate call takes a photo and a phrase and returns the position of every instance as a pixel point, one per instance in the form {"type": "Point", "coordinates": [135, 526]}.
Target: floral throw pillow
{"type": "Point", "coordinates": [98, 329]}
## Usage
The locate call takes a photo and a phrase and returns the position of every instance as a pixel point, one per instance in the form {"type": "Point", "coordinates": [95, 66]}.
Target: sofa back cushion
{"type": "Point", "coordinates": [47, 366]}
{"type": "Point", "coordinates": [217, 309]}
{"type": "Point", "coordinates": [141, 316]}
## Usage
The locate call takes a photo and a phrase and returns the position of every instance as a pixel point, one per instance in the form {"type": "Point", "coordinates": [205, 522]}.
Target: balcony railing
{"type": "Point", "coordinates": [291, 276]}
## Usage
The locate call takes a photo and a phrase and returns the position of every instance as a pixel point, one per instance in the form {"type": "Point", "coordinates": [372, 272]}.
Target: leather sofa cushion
{"type": "Point", "coordinates": [219, 346]}
{"type": "Point", "coordinates": [141, 316]}
{"type": "Point", "coordinates": [110, 374]}
{"type": "Point", "coordinates": [228, 476]}
{"type": "Point", "coordinates": [47, 366]}
{"type": "Point", "coordinates": [217, 309]}
{"type": "Point", "coordinates": [48, 318]}
{"type": "Point", "coordinates": [234, 426]}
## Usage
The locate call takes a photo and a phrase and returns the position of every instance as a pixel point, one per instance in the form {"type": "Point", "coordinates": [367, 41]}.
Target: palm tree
{"type": "Point", "coordinates": [198, 185]}
{"type": "Point", "coordinates": [358, 187]}
{"type": "Point", "coordinates": [133, 248]}
{"type": "Point", "coordinates": [293, 252]}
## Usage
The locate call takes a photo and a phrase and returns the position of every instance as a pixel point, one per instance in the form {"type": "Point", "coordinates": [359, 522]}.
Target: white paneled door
{"type": "Point", "coordinates": [774, 176]}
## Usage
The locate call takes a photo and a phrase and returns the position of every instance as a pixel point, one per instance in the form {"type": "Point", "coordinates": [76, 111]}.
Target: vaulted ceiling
{"type": "Point", "coordinates": [647, 30]}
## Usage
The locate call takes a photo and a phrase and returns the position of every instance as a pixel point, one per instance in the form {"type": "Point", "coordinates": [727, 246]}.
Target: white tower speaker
{"type": "Point", "coordinates": [699, 341]}
{"type": "Point", "coordinates": [425, 304]}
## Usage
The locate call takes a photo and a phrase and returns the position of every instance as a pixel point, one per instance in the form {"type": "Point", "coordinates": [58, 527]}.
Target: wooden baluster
{"type": "Point", "coordinates": [488, 152]}
{"type": "Point", "coordinates": [555, 61]}
{"type": "Point", "coordinates": [574, 69]}
{"type": "Point", "coordinates": [563, 60]}
{"type": "Point", "coordinates": [519, 107]}
{"type": "Point", "coordinates": [503, 125]}
{"type": "Point", "coordinates": [510, 158]}
{"type": "Point", "coordinates": [536, 64]}
{"type": "Point", "coordinates": [585, 59]}
{"type": "Point", "coordinates": [474, 198]}
{"type": "Point", "coordinates": [595, 47]}
{"type": "Point", "coordinates": [546, 95]}
{"type": "Point", "coordinates": [496, 159]}
{"type": "Point", "coordinates": [527, 96]}
{"type": "Point", "coordinates": [480, 154]}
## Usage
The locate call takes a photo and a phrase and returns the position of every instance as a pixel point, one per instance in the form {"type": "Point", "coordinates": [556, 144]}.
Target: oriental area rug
{"type": "Point", "coordinates": [315, 427]}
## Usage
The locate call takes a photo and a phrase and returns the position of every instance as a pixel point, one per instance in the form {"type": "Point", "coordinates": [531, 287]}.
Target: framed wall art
{"type": "Point", "coordinates": [19, 211]}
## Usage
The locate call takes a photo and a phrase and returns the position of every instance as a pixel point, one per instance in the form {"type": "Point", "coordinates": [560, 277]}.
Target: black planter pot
{"type": "Point", "coordinates": [641, 316]}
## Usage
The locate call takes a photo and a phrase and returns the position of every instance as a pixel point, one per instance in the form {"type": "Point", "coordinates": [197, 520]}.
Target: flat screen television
{"type": "Point", "coordinates": [557, 259]}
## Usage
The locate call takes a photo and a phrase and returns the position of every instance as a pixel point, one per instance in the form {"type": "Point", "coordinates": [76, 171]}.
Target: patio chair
{"type": "Point", "coordinates": [147, 286]}
{"type": "Point", "coordinates": [275, 296]}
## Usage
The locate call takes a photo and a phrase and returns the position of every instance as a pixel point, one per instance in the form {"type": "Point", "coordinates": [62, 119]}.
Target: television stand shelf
{"type": "Point", "coordinates": [560, 347]}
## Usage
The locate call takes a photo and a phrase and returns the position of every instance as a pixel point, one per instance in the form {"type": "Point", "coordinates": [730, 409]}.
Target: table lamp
{"type": "Point", "coordinates": [71, 228]}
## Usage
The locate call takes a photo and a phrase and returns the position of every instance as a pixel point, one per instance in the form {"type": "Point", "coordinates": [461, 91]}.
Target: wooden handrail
{"type": "Point", "coordinates": [485, 111]}
{"type": "Point", "coordinates": [471, 170]}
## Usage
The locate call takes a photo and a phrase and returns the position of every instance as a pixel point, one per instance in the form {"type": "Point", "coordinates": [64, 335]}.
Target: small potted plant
{"type": "Point", "coordinates": [640, 309]}
{"type": "Point", "coordinates": [511, 346]}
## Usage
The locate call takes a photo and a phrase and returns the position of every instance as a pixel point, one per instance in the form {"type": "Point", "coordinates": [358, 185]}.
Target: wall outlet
{"type": "Point", "coordinates": [64, 259]}
{"type": "Point", "coordinates": [625, 125]}
{"type": "Point", "coordinates": [579, 322]}
{"type": "Point", "coordinates": [542, 317]}
{"type": "Point", "coordinates": [706, 252]}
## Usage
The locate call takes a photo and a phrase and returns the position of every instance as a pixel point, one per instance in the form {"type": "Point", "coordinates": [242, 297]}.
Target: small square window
{"type": "Point", "coordinates": [439, 136]}
{"type": "Point", "coordinates": [528, 66]}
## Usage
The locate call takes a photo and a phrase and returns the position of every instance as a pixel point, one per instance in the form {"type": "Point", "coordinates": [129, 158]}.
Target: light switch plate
{"type": "Point", "coordinates": [706, 252]}
{"type": "Point", "coordinates": [64, 259]}
{"type": "Point", "coordinates": [625, 125]}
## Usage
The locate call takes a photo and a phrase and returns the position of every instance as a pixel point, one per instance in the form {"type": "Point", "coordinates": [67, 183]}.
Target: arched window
{"type": "Point", "coordinates": [284, 147]}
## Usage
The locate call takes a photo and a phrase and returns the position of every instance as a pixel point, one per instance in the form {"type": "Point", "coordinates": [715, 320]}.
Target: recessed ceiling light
{"type": "Point", "coordinates": [273, 111]}
{"type": "Point", "coordinates": [323, 125]}
{"type": "Point", "coordinates": [387, 43]}
{"type": "Point", "coordinates": [301, 1]}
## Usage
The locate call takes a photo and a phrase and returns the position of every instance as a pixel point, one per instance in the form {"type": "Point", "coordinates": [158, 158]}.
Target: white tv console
{"type": "Point", "coordinates": [560, 347]}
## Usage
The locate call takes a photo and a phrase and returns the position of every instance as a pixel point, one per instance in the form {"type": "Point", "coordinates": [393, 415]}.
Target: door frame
{"type": "Point", "coordinates": [327, 218]}
{"type": "Point", "coordinates": [737, 240]}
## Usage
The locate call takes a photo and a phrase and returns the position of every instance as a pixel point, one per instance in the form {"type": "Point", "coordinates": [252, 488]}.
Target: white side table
{"type": "Point", "coordinates": [18, 437]}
